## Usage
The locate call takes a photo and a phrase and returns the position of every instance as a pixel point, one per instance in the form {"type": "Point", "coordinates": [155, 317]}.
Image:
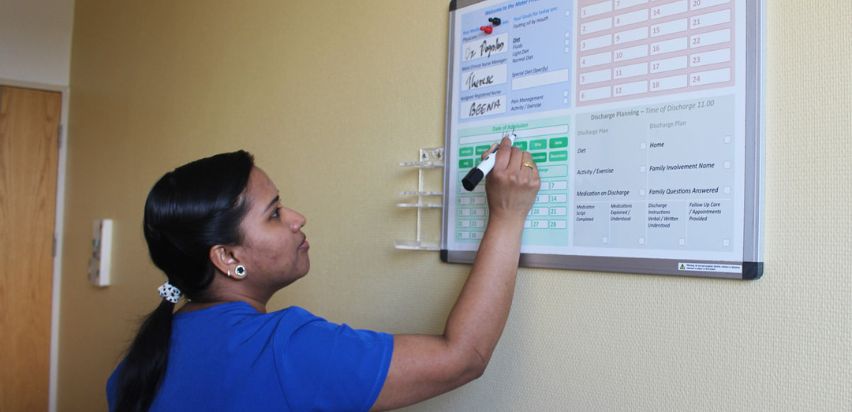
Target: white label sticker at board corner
{"type": "Point", "coordinates": [709, 267]}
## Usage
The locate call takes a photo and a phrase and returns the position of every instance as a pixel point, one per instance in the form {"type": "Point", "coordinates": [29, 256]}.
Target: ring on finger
{"type": "Point", "coordinates": [529, 164]}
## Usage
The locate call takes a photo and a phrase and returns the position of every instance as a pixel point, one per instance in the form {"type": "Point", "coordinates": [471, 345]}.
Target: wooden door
{"type": "Point", "coordinates": [29, 128]}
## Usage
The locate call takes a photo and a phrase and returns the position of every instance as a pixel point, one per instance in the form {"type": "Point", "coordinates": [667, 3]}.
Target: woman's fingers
{"type": "Point", "coordinates": [487, 152]}
{"type": "Point", "coordinates": [503, 154]}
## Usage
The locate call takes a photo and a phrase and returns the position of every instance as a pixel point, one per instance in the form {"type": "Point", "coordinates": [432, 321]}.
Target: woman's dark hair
{"type": "Point", "coordinates": [189, 210]}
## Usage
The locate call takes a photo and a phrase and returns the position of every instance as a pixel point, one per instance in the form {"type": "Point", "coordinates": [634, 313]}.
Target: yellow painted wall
{"type": "Point", "coordinates": [330, 95]}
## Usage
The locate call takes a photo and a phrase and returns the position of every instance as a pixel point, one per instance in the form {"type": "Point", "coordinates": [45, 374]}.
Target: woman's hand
{"type": "Point", "coordinates": [513, 183]}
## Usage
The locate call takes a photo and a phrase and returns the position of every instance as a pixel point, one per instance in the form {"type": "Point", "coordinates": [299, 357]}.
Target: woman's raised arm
{"type": "Point", "coordinates": [424, 366]}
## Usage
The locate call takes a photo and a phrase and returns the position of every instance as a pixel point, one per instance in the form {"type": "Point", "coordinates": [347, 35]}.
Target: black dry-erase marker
{"type": "Point", "coordinates": [475, 175]}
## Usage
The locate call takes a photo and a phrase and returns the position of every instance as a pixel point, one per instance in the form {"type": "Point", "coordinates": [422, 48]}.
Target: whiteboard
{"type": "Point", "coordinates": [644, 118]}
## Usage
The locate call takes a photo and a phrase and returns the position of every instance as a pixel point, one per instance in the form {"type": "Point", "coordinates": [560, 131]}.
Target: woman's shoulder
{"type": "Point", "coordinates": [237, 321]}
{"type": "Point", "coordinates": [240, 309]}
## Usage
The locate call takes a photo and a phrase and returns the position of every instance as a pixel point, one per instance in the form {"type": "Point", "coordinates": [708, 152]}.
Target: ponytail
{"type": "Point", "coordinates": [188, 211]}
{"type": "Point", "coordinates": [146, 361]}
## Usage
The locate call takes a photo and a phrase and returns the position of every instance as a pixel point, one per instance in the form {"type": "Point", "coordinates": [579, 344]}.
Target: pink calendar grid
{"type": "Point", "coordinates": [689, 51]}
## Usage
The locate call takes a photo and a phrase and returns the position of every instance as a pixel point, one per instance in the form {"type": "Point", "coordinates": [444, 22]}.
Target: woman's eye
{"type": "Point", "coordinates": [276, 214]}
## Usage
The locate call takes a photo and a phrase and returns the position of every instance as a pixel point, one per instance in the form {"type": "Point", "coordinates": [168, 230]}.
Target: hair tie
{"type": "Point", "coordinates": [169, 292]}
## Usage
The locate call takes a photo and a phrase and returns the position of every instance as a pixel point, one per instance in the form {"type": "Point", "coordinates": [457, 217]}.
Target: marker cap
{"type": "Point", "coordinates": [473, 177]}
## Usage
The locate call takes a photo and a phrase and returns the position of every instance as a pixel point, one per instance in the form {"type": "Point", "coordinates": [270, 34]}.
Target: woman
{"type": "Point", "coordinates": [217, 229]}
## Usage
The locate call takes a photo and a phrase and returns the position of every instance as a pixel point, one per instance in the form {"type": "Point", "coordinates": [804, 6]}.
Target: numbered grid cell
{"type": "Point", "coordinates": [632, 70]}
{"type": "Point", "coordinates": [710, 77]}
{"type": "Point", "coordinates": [557, 224]}
{"type": "Point", "coordinates": [631, 53]}
{"type": "Point", "coordinates": [710, 38]}
{"type": "Point", "coordinates": [595, 59]}
{"type": "Point", "coordinates": [596, 76]}
{"type": "Point", "coordinates": [669, 27]}
{"type": "Point", "coordinates": [669, 83]}
{"type": "Point", "coordinates": [539, 211]}
{"type": "Point", "coordinates": [669, 46]}
{"type": "Point", "coordinates": [596, 42]}
{"type": "Point", "coordinates": [627, 89]}
{"type": "Point", "coordinates": [559, 185]}
{"type": "Point", "coordinates": [710, 19]}
{"type": "Point", "coordinates": [558, 211]}
{"type": "Point", "coordinates": [596, 94]}
{"type": "Point", "coordinates": [670, 64]}
{"type": "Point", "coordinates": [670, 9]}
{"type": "Point", "coordinates": [632, 35]}
{"type": "Point", "coordinates": [539, 224]}
{"type": "Point", "coordinates": [711, 57]}
{"type": "Point", "coordinates": [627, 19]}
{"type": "Point", "coordinates": [595, 26]}
{"type": "Point", "coordinates": [624, 4]}
{"type": "Point", "coordinates": [596, 9]}
{"type": "Point", "coordinates": [703, 4]}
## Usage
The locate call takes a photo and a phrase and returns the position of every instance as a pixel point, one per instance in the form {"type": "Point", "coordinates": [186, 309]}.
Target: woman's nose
{"type": "Point", "coordinates": [297, 221]}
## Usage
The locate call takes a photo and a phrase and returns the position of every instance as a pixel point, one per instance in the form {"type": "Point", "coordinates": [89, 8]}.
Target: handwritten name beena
{"type": "Point", "coordinates": [479, 109]}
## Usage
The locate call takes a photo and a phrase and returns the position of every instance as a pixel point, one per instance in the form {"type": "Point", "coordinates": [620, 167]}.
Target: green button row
{"type": "Point", "coordinates": [538, 144]}
{"type": "Point", "coordinates": [555, 143]}
{"type": "Point", "coordinates": [538, 157]}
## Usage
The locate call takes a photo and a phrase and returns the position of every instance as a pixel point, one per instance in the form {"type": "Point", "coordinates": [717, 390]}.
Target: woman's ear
{"type": "Point", "coordinates": [223, 258]}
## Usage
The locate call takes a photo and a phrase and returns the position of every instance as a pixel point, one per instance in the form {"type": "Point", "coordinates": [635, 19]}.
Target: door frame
{"type": "Point", "coordinates": [58, 228]}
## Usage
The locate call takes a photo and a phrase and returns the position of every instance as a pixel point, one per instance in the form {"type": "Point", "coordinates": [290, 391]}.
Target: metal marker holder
{"type": "Point", "coordinates": [430, 158]}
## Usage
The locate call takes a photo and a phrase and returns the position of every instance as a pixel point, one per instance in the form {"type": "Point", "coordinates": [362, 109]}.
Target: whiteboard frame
{"type": "Point", "coordinates": [752, 264]}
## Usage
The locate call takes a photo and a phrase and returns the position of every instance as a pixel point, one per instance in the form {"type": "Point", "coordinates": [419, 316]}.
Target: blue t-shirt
{"type": "Point", "coordinates": [231, 357]}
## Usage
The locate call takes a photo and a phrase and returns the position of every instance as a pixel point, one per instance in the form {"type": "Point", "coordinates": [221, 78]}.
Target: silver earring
{"type": "Point", "coordinates": [240, 272]}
